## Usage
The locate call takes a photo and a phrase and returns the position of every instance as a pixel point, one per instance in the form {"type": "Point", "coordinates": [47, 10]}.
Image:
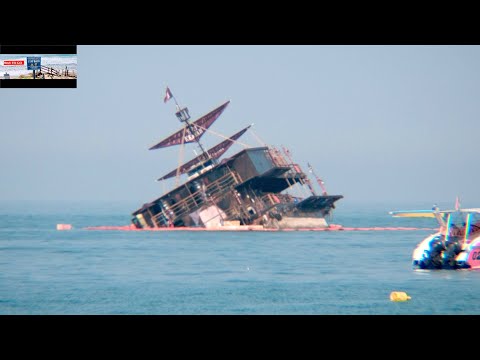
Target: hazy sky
{"type": "Point", "coordinates": [382, 123]}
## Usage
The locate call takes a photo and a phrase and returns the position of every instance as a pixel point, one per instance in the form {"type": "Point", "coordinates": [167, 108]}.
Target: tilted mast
{"type": "Point", "coordinates": [183, 116]}
{"type": "Point", "coordinates": [191, 131]}
{"type": "Point", "coordinates": [319, 180]}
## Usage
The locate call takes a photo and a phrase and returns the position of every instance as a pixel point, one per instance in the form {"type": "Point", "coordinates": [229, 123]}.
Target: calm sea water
{"type": "Point", "coordinates": [45, 271]}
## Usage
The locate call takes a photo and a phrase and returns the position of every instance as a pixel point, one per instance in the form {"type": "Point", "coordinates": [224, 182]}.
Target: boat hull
{"type": "Point", "coordinates": [435, 253]}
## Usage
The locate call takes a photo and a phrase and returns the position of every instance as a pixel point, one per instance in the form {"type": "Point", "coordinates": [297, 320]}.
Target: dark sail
{"type": "Point", "coordinates": [215, 152]}
{"type": "Point", "coordinates": [204, 122]}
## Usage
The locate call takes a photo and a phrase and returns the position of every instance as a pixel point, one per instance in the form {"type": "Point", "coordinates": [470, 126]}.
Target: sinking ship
{"type": "Point", "coordinates": [252, 188]}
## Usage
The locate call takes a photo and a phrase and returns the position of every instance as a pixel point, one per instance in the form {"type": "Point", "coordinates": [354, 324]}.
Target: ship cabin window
{"type": "Point", "coordinates": [155, 209]}
{"type": "Point", "coordinates": [198, 168]}
{"type": "Point", "coordinates": [136, 223]}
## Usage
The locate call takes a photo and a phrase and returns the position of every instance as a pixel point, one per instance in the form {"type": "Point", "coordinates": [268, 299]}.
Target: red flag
{"type": "Point", "coordinates": [168, 95]}
{"type": "Point", "coordinates": [457, 204]}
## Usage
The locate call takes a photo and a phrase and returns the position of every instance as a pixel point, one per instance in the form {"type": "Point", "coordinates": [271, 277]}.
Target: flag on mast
{"type": "Point", "coordinates": [168, 95]}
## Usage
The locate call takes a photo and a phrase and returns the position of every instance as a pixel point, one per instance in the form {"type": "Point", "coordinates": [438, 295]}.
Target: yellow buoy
{"type": "Point", "coordinates": [399, 296]}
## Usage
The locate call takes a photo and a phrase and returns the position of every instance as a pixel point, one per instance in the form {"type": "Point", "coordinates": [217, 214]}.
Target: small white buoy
{"type": "Point", "coordinates": [64, 227]}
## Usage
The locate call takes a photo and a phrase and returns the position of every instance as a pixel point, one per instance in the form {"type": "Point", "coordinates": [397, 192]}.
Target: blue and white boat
{"type": "Point", "coordinates": [456, 244]}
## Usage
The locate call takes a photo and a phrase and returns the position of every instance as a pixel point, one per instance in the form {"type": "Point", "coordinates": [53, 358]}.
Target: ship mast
{"type": "Point", "coordinates": [319, 180]}
{"type": "Point", "coordinates": [183, 116]}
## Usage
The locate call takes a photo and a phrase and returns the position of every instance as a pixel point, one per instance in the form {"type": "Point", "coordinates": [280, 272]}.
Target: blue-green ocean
{"type": "Point", "coordinates": [45, 271]}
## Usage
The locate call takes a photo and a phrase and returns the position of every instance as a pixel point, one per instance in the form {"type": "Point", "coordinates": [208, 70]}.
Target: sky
{"type": "Point", "coordinates": [377, 123]}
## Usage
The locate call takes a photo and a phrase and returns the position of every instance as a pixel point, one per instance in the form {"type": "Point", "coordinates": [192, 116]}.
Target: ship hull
{"type": "Point", "coordinates": [288, 222]}
{"type": "Point", "coordinates": [251, 188]}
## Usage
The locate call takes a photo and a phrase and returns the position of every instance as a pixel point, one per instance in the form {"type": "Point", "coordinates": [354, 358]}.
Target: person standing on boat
{"type": "Point", "coordinates": [453, 247]}
{"type": "Point", "coordinates": [455, 231]}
